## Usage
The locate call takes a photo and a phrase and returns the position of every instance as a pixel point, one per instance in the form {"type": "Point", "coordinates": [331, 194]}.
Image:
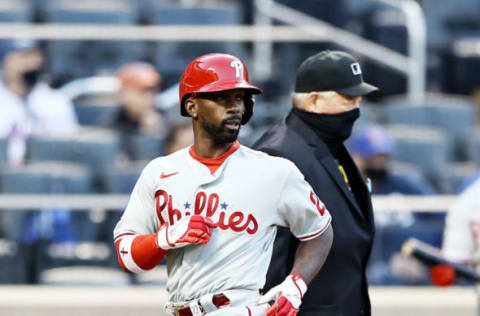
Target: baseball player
{"type": "Point", "coordinates": [461, 240]}
{"type": "Point", "coordinates": [212, 209]}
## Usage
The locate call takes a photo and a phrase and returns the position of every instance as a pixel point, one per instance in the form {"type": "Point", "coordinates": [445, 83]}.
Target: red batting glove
{"type": "Point", "coordinates": [287, 295]}
{"type": "Point", "coordinates": [442, 274]}
{"type": "Point", "coordinates": [189, 230]}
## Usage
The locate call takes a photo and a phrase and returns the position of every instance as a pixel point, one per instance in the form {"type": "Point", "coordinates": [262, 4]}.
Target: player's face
{"type": "Point", "coordinates": [220, 114]}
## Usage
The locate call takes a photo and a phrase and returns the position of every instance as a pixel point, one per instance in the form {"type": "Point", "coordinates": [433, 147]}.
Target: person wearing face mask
{"type": "Point", "coordinates": [29, 106]}
{"type": "Point", "coordinates": [372, 148]}
{"type": "Point", "coordinates": [328, 90]}
{"type": "Point", "coordinates": [139, 85]}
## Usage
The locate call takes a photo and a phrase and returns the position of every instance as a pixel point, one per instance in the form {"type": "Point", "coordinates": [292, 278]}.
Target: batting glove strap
{"type": "Point", "coordinates": [299, 283]}
{"type": "Point", "coordinates": [188, 230]}
{"type": "Point", "coordinates": [162, 238]}
{"type": "Point", "coordinates": [287, 296]}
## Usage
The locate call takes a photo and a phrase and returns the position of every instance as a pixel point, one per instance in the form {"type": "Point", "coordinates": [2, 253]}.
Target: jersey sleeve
{"type": "Point", "coordinates": [458, 244]}
{"type": "Point", "coordinates": [139, 216]}
{"type": "Point", "coordinates": [303, 212]}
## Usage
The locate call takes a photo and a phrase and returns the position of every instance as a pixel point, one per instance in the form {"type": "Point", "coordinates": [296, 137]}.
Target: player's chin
{"type": "Point", "coordinates": [230, 135]}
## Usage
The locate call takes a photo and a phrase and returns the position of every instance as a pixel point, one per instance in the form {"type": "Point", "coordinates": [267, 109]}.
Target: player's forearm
{"type": "Point", "coordinates": [311, 255]}
{"type": "Point", "coordinates": [137, 253]}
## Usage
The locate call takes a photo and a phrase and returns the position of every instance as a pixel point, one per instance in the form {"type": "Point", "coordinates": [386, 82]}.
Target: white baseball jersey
{"type": "Point", "coordinates": [462, 229]}
{"type": "Point", "coordinates": [248, 196]}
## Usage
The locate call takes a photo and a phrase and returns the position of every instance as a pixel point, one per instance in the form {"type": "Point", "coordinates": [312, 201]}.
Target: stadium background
{"type": "Point", "coordinates": [434, 124]}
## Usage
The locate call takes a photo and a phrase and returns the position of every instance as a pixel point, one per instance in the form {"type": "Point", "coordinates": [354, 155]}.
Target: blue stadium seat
{"type": "Point", "coordinates": [44, 178]}
{"type": "Point", "coordinates": [369, 113]}
{"type": "Point", "coordinates": [438, 17]}
{"type": "Point", "coordinates": [421, 146]}
{"type": "Point", "coordinates": [38, 229]}
{"type": "Point", "coordinates": [358, 7]}
{"type": "Point", "coordinates": [91, 11]}
{"type": "Point", "coordinates": [474, 146]}
{"type": "Point", "coordinates": [13, 259]}
{"type": "Point", "coordinates": [96, 148]}
{"type": "Point", "coordinates": [454, 115]}
{"type": "Point", "coordinates": [413, 172]}
{"type": "Point", "coordinates": [461, 65]}
{"type": "Point", "coordinates": [95, 115]}
{"type": "Point", "coordinates": [85, 58]}
{"type": "Point", "coordinates": [16, 11]}
{"type": "Point", "coordinates": [148, 7]}
{"type": "Point", "coordinates": [3, 151]}
{"type": "Point", "coordinates": [145, 147]}
{"type": "Point", "coordinates": [94, 98]}
{"type": "Point", "coordinates": [455, 175]}
{"type": "Point", "coordinates": [81, 263]}
{"type": "Point", "coordinates": [47, 177]}
{"type": "Point", "coordinates": [387, 28]}
{"type": "Point", "coordinates": [121, 180]}
{"type": "Point", "coordinates": [171, 58]}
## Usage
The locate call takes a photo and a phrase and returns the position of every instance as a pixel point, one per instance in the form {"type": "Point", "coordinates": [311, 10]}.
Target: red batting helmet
{"type": "Point", "coordinates": [217, 72]}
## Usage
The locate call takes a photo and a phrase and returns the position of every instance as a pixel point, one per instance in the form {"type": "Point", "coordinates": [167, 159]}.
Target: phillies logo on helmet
{"type": "Point", "coordinates": [238, 68]}
{"type": "Point", "coordinates": [212, 73]}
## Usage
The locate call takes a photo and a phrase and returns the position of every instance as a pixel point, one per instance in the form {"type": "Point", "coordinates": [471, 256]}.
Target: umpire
{"type": "Point", "coordinates": [328, 90]}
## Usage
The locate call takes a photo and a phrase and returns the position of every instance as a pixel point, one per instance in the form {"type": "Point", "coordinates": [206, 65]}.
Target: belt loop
{"type": "Point", "coordinates": [207, 303]}
{"type": "Point", "coordinates": [170, 310]}
{"type": "Point", "coordinates": [195, 308]}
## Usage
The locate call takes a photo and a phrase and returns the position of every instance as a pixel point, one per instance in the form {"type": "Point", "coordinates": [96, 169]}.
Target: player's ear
{"type": "Point", "coordinates": [191, 107]}
{"type": "Point", "coordinates": [312, 97]}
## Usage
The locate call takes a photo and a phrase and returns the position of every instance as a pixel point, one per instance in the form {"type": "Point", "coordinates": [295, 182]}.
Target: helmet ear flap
{"type": "Point", "coordinates": [249, 102]}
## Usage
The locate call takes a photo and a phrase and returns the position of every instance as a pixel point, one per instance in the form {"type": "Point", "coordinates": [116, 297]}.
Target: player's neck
{"type": "Point", "coordinates": [207, 149]}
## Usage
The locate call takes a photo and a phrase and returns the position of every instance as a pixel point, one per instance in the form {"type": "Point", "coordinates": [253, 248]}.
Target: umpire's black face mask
{"type": "Point", "coordinates": [333, 129]}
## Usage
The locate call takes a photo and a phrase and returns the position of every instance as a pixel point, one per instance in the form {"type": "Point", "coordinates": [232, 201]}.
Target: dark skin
{"type": "Point", "coordinates": [311, 255]}
{"type": "Point", "coordinates": [216, 119]}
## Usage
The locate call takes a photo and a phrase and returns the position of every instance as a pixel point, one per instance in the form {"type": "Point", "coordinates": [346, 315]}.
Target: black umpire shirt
{"type": "Point", "coordinates": [340, 288]}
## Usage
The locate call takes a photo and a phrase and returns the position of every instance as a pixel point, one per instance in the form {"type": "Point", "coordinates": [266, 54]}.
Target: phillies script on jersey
{"type": "Point", "coordinates": [249, 194]}
{"type": "Point", "coordinates": [237, 221]}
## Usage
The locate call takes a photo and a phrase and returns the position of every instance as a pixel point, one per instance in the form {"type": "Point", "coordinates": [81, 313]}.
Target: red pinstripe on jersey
{"type": "Point", "coordinates": [318, 233]}
{"type": "Point", "coordinates": [117, 238]}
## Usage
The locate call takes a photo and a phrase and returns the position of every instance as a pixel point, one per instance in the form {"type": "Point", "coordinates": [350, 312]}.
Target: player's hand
{"type": "Point", "coordinates": [189, 230]}
{"type": "Point", "coordinates": [442, 274]}
{"type": "Point", "coordinates": [287, 296]}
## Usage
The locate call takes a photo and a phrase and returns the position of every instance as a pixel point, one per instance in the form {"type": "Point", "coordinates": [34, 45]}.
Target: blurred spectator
{"type": "Point", "coordinates": [179, 137]}
{"type": "Point", "coordinates": [140, 83]}
{"type": "Point", "coordinates": [371, 149]}
{"type": "Point", "coordinates": [29, 106]}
